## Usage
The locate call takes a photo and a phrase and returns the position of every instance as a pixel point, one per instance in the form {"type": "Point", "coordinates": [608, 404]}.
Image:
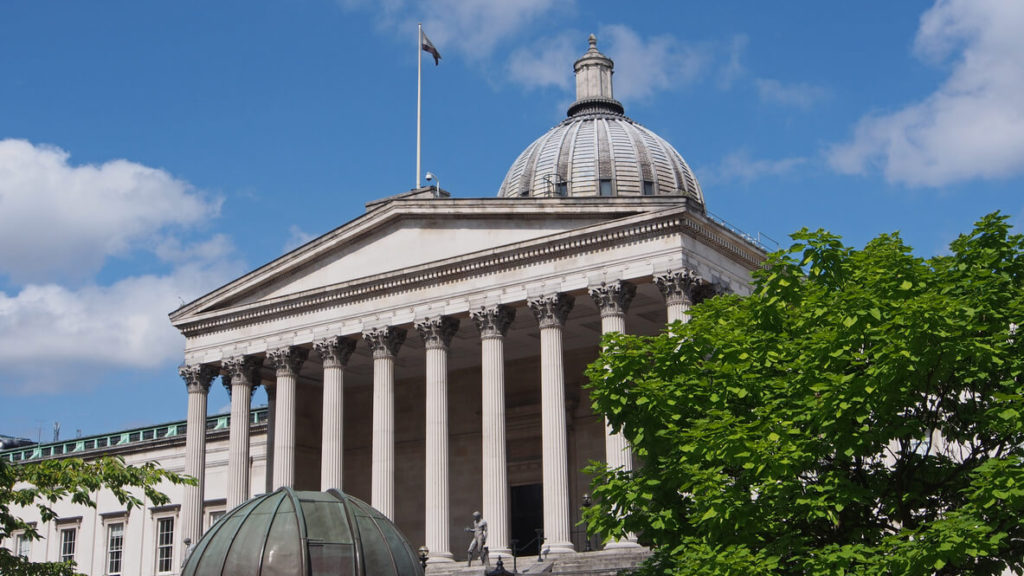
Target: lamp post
{"type": "Point", "coordinates": [424, 554]}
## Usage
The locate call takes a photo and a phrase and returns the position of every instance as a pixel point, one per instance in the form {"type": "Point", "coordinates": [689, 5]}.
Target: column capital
{"type": "Point", "coordinates": [197, 377]}
{"type": "Point", "coordinates": [288, 360]}
{"type": "Point", "coordinates": [437, 332]}
{"type": "Point", "coordinates": [493, 322]}
{"type": "Point", "coordinates": [551, 311]}
{"type": "Point", "coordinates": [613, 298]}
{"type": "Point", "coordinates": [684, 287]}
{"type": "Point", "coordinates": [385, 342]}
{"type": "Point", "coordinates": [241, 369]}
{"type": "Point", "coordinates": [335, 351]}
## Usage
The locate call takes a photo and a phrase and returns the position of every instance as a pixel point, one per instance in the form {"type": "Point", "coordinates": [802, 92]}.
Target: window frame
{"type": "Point", "coordinates": [107, 558]}
{"type": "Point", "coordinates": [65, 542]}
{"type": "Point", "coordinates": [164, 550]}
{"type": "Point", "coordinates": [601, 184]}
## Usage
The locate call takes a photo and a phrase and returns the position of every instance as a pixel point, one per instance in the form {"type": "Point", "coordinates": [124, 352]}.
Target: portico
{"type": "Point", "coordinates": [428, 356]}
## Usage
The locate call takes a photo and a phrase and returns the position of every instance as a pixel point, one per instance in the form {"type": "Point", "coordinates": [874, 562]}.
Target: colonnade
{"type": "Point", "coordinates": [241, 375]}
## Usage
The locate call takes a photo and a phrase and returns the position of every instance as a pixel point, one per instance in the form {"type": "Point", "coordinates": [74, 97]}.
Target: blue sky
{"type": "Point", "coordinates": [151, 151]}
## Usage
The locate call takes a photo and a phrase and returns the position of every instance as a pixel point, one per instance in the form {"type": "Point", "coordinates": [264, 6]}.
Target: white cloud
{"type": "Point", "coordinates": [549, 64]}
{"type": "Point", "coordinates": [973, 125]}
{"type": "Point", "coordinates": [471, 28]}
{"type": "Point", "coordinates": [296, 237]}
{"type": "Point", "coordinates": [733, 68]}
{"type": "Point", "coordinates": [59, 221]}
{"type": "Point", "coordinates": [644, 66]}
{"type": "Point", "coordinates": [740, 167]}
{"type": "Point", "coordinates": [798, 95]}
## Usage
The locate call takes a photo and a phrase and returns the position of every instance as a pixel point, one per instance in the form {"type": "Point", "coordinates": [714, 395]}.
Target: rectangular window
{"type": "Point", "coordinates": [67, 544]}
{"type": "Point", "coordinates": [216, 515]}
{"type": "Point", "coordinates": [562, 189]}
{"type": "Point", "coordinates": [165, 545]}
{"type": "Point", "coordinates": [648, 188]}
{"type": "Point", "coordinates": [24, 545]}
{"type": "Point", "coordinates": [115, 548]}
{"type": "Point", "coordinates": [606, 187]}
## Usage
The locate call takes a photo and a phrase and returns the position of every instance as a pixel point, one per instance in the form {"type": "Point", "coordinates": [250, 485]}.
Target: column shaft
{"type": "Point", "coordinates": [239, 375]}
{"type": "Point", "coordinates": [385, 343]}
{"type": "Point", "coordinates": [288, 362]}
{"type": "Point", "coordinates": [197, 380]}
{"type": "Point", "coordinates": [551, 313]}
{"type": "Point", "coordinates": [493, 323]}
{"type": "Point", "coordinates": [437, 334]}
{"type": "Point", "coordinates": [335, 353]}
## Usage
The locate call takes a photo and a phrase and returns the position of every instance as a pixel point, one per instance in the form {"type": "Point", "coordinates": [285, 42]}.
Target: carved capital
{"type": "Point", "coordinates": [551, 311]}
{"type": "Point", "coordinates": [241, 369]}
{"type": "Point", "coordinates": [493, 322]}
{"type": "Point", "coordinates": [288, 360]}
{"type": "Point", "coordinates": [335, 351]}
{"type": "Point", "coordinates": [385, 342]}
{"type": "Point", "coordinates": [685, 287]}
{"type": "Point", "coordinates": [438, 332]}
{"type": "Point", "coordinates": [613, 299]}
{"type": "Point", "coordinates": [197, 377]}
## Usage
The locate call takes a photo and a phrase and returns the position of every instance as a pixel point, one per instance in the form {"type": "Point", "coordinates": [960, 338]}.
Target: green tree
{"type": "Point", "coordinates": [859, 413]}
{"type": "Point", "coordinates": [42, 484]}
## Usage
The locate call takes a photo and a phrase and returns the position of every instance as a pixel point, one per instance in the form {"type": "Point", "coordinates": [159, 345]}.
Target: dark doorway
{"type": "Point", "coordinates": [527, 514]}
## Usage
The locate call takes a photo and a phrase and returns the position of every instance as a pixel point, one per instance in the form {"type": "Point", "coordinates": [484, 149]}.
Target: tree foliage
{"type": "Point", "coordinates": [43, 484]}
{"type": "Point", "coordinates": [859, 413]}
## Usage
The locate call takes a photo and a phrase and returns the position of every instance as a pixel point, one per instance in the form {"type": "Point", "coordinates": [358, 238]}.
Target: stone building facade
{"type": "Point", "coordinates": [428, 356]}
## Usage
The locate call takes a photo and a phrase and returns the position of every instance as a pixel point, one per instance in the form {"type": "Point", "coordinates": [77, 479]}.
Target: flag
{"type": "Point", "coordinates": [428, 46]}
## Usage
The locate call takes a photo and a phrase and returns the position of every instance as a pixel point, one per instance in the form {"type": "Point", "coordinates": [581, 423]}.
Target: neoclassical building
{"type": "Point", "coordinates": [428, 356]}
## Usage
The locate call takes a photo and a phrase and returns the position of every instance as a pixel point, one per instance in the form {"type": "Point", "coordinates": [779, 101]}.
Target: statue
{"type": "Point", "coordinates": [478, 545]}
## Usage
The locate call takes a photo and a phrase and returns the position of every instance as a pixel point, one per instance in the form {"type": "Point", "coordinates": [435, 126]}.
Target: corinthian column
{"type": "Point", "coordinates": [551, 312]}
{"type": "Point", "coordinates": [334, 352]}
{"type": "Point", "coordinates": [493, 324]}
{"type": "Point", "coordinates": [681, 291]}
{"type": "Point", "coordinates": [287, 361]}
{"type": "Point", "coordinates": [384, 343]}
{"type": "Point", "coordinates": [240, 376]}
{"type": "Point", "coordinates": [437, 334]}
{"type": "Point", "coordinates": [613, 300]}
{"type": "Point", "coordinates": [197, 381]}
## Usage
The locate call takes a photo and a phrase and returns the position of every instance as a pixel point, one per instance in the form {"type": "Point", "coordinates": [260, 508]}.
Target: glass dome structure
{"type": "Point", "coordinates": [294, 533]}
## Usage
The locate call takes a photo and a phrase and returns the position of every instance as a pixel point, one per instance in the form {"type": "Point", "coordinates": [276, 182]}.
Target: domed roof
{"type": "Point", "coordinates": [303, 533]}
{"type": "Point", "coordinates": [597, 150]}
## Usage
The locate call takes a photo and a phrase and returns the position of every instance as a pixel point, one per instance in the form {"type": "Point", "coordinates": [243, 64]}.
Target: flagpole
{"type": "Point", "coordinates": [419, 95]}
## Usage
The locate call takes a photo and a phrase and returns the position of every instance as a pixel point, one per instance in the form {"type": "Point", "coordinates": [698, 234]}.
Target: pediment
{"type": "Point", "coordinates": [406, 234]}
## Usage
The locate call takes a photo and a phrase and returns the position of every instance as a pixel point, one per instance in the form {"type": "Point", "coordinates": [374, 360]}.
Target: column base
{"type": "Point", "coordinates": [558, 548]}
{"type": "Point", "coordinates": [496, 553]}
{"type": "Point", "coordinates": [620, 544]}
{"type": "Point", "coordinates": [440, 558]}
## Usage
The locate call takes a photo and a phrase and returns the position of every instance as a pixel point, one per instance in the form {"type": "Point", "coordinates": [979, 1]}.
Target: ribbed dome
{"type": "Point", "coordinates": [290, 533]}
{"type": "Point", "coordinates": [597, 151]}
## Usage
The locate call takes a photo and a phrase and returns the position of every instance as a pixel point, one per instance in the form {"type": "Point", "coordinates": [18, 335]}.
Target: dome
{"type": "Point", "coordinates": [303, 533]}
{"type": "Point", "coordinates": [597, 150]}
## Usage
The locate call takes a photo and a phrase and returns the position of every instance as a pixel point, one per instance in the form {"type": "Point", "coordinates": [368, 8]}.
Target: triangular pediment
{"type": "Point", "coordinates": [407, 234]}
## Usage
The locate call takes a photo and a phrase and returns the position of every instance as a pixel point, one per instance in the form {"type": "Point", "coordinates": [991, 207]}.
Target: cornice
{"type": "Point", "coordinates": [592, 238]}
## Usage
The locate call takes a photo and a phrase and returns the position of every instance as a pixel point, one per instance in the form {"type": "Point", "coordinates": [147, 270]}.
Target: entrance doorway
{"type": "Point", "coordinates": [527, 514]}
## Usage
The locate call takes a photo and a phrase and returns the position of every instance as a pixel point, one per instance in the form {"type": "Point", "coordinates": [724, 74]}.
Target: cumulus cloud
{"type": "Point", "coordinates": [797, 95]}
{"type": "Point", "coordinates": [644, 66]}
{"type": "Point", "coordinates": [740, 167]}
{"type": "Point", "coordinates": [59, 225]}
{"type": "Point", "coordinates": [61, 221]}
{"type": "Point", "coordinates": [972, 126]}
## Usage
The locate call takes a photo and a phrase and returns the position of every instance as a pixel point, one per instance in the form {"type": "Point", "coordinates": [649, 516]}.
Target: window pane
{"type": "Point", "coordinates": [606, 187]}
{"type": "Point", "coordinates": [165, 545]}
{"type": "Point", "coordinates": [648, 188]}
{"type": "Point", "coordinates": [67, 544]}
{"type": "Point", "coordinates": [115, 546]}
{"type": "Point", "coordinates": [24, 546]}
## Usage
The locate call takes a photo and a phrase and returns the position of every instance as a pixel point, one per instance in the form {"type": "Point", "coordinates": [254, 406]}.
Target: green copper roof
{"type": "Point", "coordinates": [303, 533]}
